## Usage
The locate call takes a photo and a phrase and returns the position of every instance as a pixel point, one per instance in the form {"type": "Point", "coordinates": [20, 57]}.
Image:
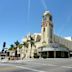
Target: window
{"type": "Point", "coordinates": [43, 29]}
{"type": "Point", "coordinates": [44, 18]}
{"type": "Point", "coordinates": [50, 18]}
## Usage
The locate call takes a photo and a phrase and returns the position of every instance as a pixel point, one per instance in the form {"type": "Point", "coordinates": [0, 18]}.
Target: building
{"type": "Point", "coordinates": [46, 43]}
{"type": "Point", "coordinates": [68, 38]}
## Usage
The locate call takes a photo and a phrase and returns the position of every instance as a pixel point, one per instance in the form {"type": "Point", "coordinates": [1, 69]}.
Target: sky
{"type": "Point", "coordinates": [19, 17]}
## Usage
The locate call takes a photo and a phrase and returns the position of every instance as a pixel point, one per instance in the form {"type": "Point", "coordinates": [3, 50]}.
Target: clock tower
{"type": "Point", "coordinates": [47, 28]}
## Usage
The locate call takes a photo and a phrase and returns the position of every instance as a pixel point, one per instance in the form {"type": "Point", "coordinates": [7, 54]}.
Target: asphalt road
{"type": "Point", "coordinates": [38, 65]}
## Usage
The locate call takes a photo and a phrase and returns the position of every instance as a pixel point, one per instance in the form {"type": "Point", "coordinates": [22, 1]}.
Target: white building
{"type": "Point", "coordinates": [68, 38]}
{"type": "Point", "coordinates": [47, 44]}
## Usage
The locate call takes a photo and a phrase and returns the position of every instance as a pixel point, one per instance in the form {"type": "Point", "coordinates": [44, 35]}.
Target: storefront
{"type": "Point", "coordinates": [59, 52]}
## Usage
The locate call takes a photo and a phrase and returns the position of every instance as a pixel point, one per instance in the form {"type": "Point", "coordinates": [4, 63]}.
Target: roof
{"type": "Point", "coordinates": [46, 13]}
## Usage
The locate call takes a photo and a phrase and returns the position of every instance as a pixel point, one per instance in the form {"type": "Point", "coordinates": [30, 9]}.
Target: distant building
{"type": "Point", "coordinates": [68, 38]}
{"type": "Point", "coordinates": [47, 44]}
{"type": "Point", "coordinates": [3, 55]}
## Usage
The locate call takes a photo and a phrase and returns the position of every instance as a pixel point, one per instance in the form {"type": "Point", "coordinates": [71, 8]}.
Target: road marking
{"type": "Point", "coordinates": [43, 64]}
{"type": "Point", "coordinates": [30, 69]}
{"type": "Point", "coordinates": [24, 67]}
{"type": "Point", "coordinates": [66, 66]}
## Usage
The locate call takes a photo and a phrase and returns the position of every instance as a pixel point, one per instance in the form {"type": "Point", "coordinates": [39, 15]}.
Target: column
{"type": "Point", "coordinates": [47, 54]}
{"type": "Point", "coordinates": [54, 54]}
{"type": "Point", "coordinates": [62, 54]}
{"type": "Point", "coordinates": [68, 54]}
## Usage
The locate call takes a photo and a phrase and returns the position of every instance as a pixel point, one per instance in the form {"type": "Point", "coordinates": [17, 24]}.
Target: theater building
{"type": "Point", "coordinates": [47, 44]}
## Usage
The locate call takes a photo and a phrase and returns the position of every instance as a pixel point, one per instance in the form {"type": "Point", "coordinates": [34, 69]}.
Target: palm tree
{"type": "Point", "coordinates": [11, 47]}
{"type": "Point", "coordinates": [20, 46]}
{"type": "Point", "coordinates": [16, 44]}
{"type": "Point", "coordinates": [25, 44]}
{"type": "Point", "coordinates": [32, 42]}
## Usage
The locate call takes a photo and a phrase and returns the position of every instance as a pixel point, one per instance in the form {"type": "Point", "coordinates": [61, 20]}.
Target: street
{"type": "Point", "coordinates": [38, 65]}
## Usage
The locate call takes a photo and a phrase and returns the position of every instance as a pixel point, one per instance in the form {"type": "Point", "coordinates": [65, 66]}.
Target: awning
{"type": "Point", "coordinates": [44, 49]}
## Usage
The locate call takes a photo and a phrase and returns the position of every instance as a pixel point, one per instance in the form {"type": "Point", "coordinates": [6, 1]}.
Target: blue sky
{"type": "Point", "coordinates": [18, 17]}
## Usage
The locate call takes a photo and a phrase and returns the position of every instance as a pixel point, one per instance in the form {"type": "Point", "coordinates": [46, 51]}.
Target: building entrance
{"type": "Point", "coordinates": [58, 54]}
{"type": "Point", "coordinates": [51, 54]}
{"type": "Point", "coordinates": [66, 54]}
{"type": "Point", "coordinates": [54, 54]}
{"type": "Point", "coordinates": [44, 54]}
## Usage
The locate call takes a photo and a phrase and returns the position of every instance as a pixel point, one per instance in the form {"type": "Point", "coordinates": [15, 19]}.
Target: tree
{"type": "Point", "coordinates": [20, 46]}
{"type": "Point", "coordinates": [32, 42]}
{"type": "Point", "coordinates": [25, 44]}
{"type": "Point", "coordinates": [17, 44]}
{"type": "Point", "coordinates": [11, 47]}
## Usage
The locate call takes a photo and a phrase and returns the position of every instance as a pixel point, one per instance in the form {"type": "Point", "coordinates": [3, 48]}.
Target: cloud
{"type": "Point", "coordinates": [44, 4]}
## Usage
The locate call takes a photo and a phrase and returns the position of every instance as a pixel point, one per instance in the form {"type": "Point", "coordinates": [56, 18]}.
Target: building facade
{"type": "Point", "coordinates": [46, 44]}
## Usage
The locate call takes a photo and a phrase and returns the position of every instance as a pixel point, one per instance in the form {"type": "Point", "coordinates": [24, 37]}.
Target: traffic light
{"type": "Point", "coordinates": [4, 44]}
